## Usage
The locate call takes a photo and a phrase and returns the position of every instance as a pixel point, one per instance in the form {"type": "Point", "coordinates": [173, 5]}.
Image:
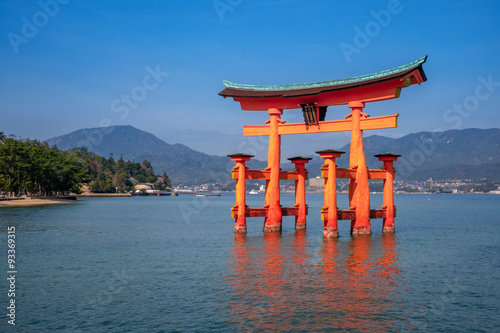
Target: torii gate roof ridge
{"type": "Point", "coordinates": [339, 82]}
{"type": "Point", "coordinates": [371, 87]}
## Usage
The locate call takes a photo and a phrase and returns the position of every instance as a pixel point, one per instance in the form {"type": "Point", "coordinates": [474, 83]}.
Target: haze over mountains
{"type": "Point", "coordinates": [453, 154]}
{"type": "Point", "coordinates": [182, 164]}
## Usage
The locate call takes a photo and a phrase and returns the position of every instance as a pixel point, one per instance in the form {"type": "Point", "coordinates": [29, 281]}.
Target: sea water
{"type": "Point", "coordinates": [173, 264]}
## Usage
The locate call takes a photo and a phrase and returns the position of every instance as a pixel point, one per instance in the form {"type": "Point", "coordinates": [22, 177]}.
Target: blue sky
{"type": "Point", "coordinates": [67, 64]}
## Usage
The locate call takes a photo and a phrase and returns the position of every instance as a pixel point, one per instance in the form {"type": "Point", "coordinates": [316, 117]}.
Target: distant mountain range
{"type": "Point", "coordinates": [453, 154]}
{"type": "Point", "coordinates": [183, 165]}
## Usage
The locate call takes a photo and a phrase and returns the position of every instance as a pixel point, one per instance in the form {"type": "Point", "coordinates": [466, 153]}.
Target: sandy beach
{"type": "Point", "coordinates": [26, 202]}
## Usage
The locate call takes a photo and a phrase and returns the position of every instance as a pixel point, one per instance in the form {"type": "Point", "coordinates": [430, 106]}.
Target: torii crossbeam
{"type": "Point", "coordinates": [314, 98]}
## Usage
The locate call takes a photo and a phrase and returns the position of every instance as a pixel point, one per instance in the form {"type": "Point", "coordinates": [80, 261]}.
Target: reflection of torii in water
{"type": "Point", "coordinates": [276, 283]}
{"type": "Point", "coordinates": [314, 98]}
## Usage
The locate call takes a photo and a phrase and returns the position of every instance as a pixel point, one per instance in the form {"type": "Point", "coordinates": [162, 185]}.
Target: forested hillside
{"type": "Point", "coordinates": [29, 166]}
{"type": "Point", "coordinates": [107, 175]}
{"type": "Point", "coordinates": [35, 168]}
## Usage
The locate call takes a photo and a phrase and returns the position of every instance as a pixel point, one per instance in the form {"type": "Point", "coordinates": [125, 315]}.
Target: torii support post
{"type": "Point", "coordinates": [272, 199]}
{"type": "Point", "coordinates": [300, 190]}
{"type": "Point", "coordinates": [388, 204]}
{"type": "Point", "coordinates": [239, 209]}
{"type": "Point", "coordinates": [330, 228]}
{"type": "Point", "coordinates": [359, 191]}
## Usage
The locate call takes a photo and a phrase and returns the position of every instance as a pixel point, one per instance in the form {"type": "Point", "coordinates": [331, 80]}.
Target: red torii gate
{"type": "Point", "coordinates": [314, 98]}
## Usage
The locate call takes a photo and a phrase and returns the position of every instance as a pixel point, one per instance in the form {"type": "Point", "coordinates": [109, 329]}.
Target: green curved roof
{"type": "Point", "coordinates": [352, 80]}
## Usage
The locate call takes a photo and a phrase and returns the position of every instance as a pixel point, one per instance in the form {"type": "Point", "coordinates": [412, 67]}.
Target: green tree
{"type": "Point", "coordinates": [32, 167]}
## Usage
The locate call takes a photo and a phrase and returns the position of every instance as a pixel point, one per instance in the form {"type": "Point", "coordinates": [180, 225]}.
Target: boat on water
{"type": "Point", "coordinates": [253, 192]}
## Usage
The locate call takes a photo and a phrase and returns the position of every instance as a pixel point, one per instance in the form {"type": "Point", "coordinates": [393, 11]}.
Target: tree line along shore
{"type": "Point", "coordinates": [34, 169]}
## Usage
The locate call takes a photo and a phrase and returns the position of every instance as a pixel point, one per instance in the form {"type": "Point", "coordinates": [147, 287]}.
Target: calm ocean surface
{"type": "Point", "coordinates": [173, 264]}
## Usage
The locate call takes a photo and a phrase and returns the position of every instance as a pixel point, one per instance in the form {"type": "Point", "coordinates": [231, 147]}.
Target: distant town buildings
{"type": "Point", "coordinates": [400, 186]}
{"type": "Point", "coordinates": [317, 183]}
{"type": "Point", "coordinates": [144, 187]}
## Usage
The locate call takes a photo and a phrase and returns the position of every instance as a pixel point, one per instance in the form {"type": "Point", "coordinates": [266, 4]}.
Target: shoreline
{"type": "Point", "coordinates": [102, 195]}
{"type": "Point", "coordinates": [27, 202]}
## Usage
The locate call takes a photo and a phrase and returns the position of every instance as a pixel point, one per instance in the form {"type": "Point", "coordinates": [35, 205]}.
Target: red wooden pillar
{"type": "Point", "coordinates": [240, 207]}
{"type": "Point", "coordinates": [300, 190]}
{"type": "Point", "coordinates": [273, 219]}
{"type": "Point", "coordinates": [330, 229]}
{"type": "Point", "coordinates": [359, 192]}
{"type": "Point", "coordinates": [388, 205]}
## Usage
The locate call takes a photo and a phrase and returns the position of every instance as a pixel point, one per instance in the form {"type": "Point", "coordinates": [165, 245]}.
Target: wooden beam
{"type": "Point", "coordinates": [262, 212]}
{"type": "Point", "coordinates": [381, 122]}
{"type": "Point", "coordinates": [350, 214]}
{"type": "Point", "coordinates": [377, 174]}
{"type": "Point", "coordinates": [266, 174]}
{"type": "Point", "coordinates": [351, 173]}
{"type": "Point", "coordinates": [346, 173]}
